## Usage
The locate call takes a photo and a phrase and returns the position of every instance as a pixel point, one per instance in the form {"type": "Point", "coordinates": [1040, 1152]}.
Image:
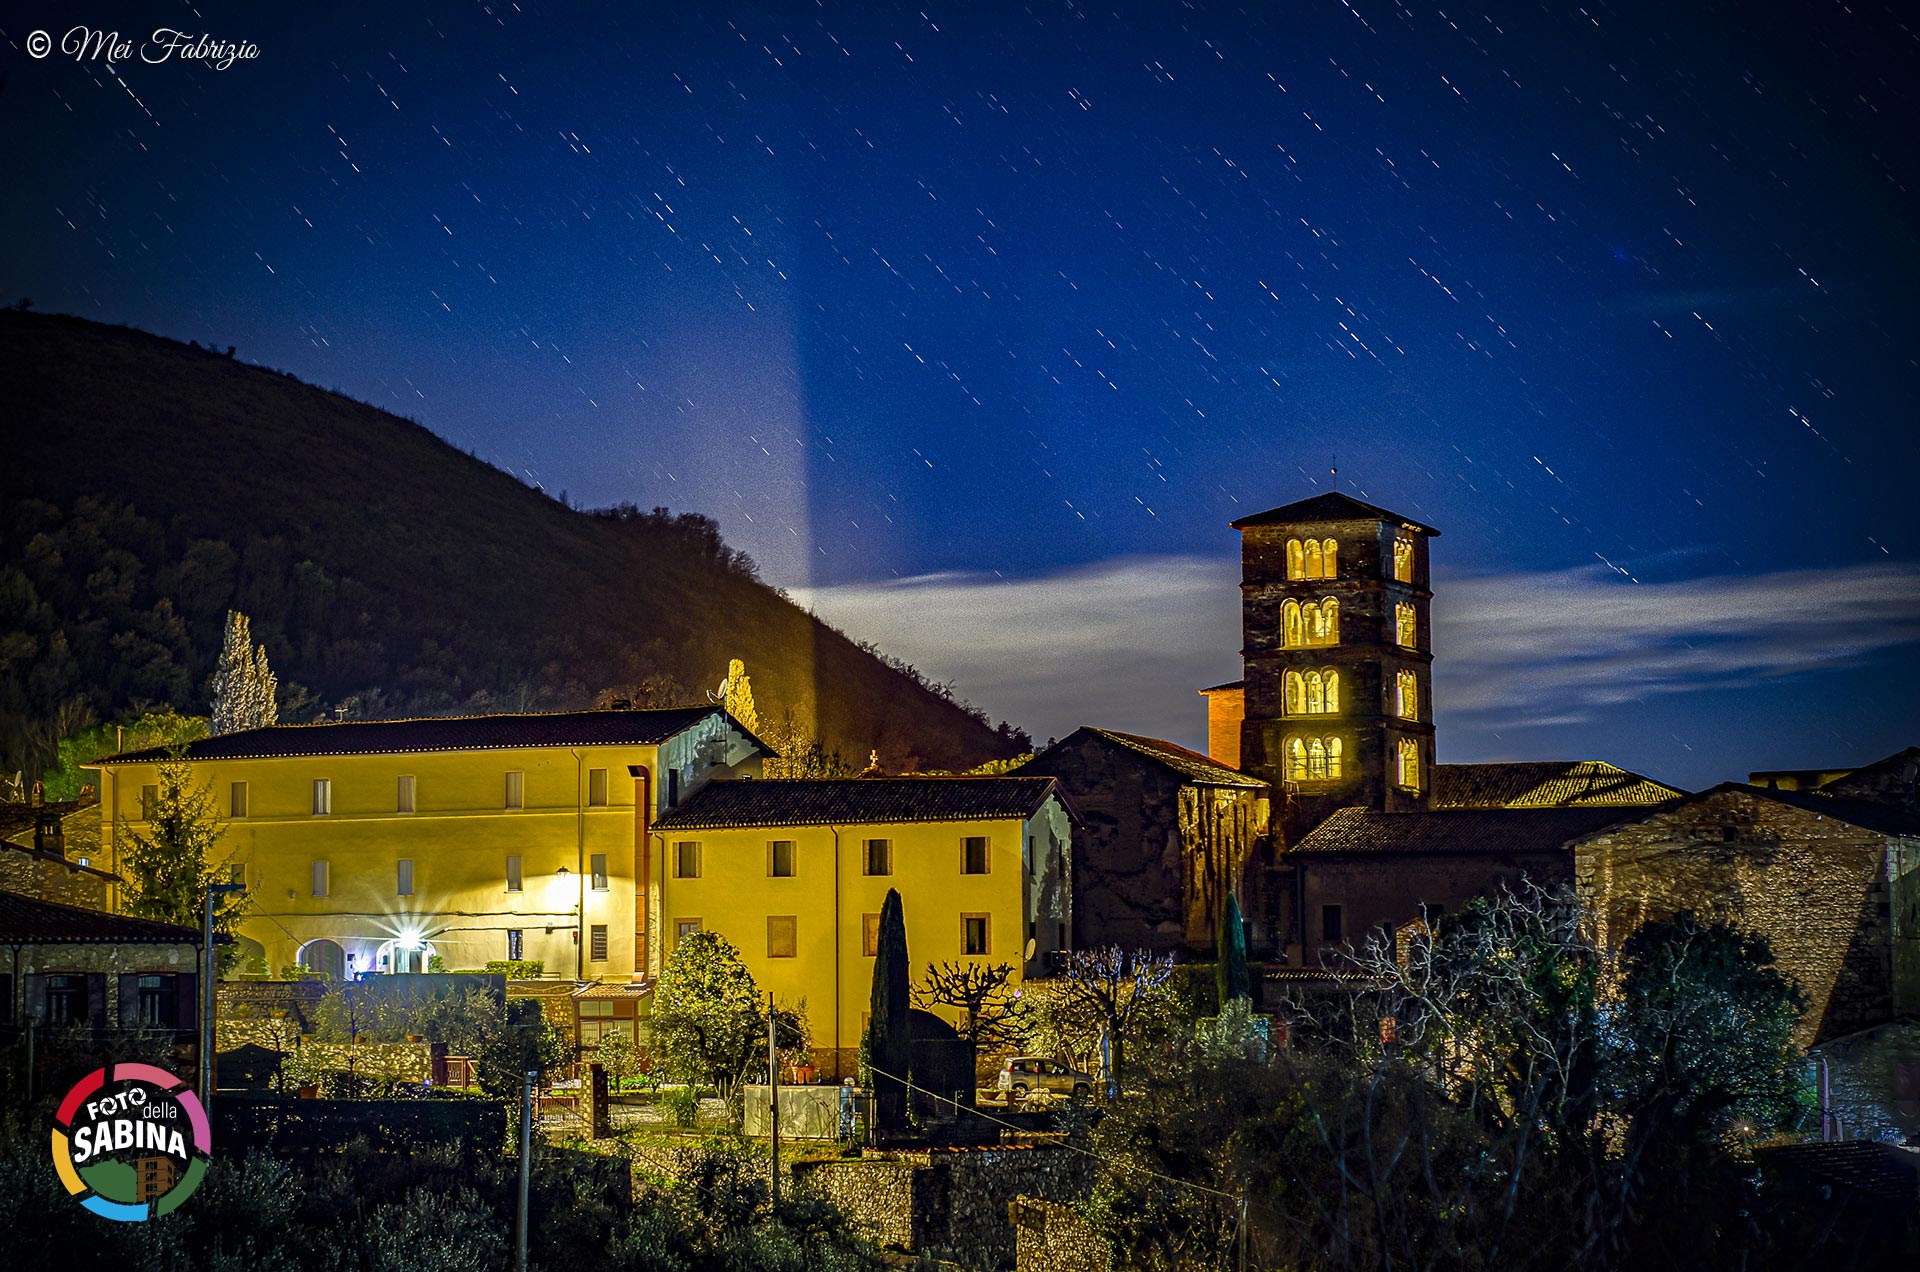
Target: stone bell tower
{"type": "Point", "coordinates": [1335, 641]}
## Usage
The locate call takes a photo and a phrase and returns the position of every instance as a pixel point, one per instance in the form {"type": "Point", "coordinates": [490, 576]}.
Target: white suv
{"type": "Point", "coordinates": [1024, 1074]}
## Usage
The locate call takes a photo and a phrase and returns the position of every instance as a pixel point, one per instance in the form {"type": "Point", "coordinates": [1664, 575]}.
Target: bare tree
{"type": "Point", "coordinates": [1118, 992]}
{"type": "Point", "coordinates": [987, 997]}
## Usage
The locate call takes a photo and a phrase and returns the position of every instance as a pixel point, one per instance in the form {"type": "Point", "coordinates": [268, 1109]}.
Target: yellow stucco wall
{"type": "Point", "coordinates": [458, 838]}
{"type": "Point", "coordinates": [828, 897]}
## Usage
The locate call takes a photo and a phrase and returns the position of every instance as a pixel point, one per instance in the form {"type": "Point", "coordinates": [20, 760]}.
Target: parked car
{"type": "Point", "coordinates": [1023, 1074]}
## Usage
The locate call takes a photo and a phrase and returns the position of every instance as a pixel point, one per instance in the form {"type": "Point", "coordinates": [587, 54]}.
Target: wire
{"type": "Point", "coordinates": [1087, 1152]}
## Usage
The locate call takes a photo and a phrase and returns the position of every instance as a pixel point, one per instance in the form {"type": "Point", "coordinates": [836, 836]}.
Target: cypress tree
{"type": "Point", "coordinates": [888, 1047]}
{"type": "Point", "coordinates": [1235, 982]}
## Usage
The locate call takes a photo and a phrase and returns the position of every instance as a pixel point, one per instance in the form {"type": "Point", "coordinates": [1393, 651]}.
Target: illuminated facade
{"type": "Point", "coordinates": [1337, 691]}
{"type": "Point", "coordinates": [375, 846]}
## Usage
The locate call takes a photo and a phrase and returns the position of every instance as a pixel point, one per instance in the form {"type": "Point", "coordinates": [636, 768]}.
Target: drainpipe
{"type": "Point", "coordinates": [836, 953]}
{"type": "Point", "coordinates": [642, 870]}
{"type": "Point", "coordinates": [580, 863]}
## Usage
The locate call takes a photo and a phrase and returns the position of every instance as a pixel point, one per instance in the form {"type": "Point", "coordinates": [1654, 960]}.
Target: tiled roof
{"type": "Point", "coordinates": [614, 991]}
{"type": "Point", "coordinates": [1860, 1166]}
{"type": "Point", "coordinates": [1190, 765]}
{"type": "Point", "coordinates": [27, 920]}
{"type": "Point", "coordinates": [1456, 830]}
{"type": "Point", "coordinates": [857, 801]}
{"type": "Point", "coordinates": [1544, 784]}
{"type": "Point", "coordinates": [1231, 684]}
{"type": "Point", "coordinates": [1888, 819]}
{"type": "Point", "coordinates": [1332, 506]}
{"type": "Point", "coordinates": [447, 733]}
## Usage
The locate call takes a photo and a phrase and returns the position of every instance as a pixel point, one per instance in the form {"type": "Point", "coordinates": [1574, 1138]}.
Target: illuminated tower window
{"type": "Point", "coordinates": [1406, 628]}
{"type": "Point", "coordinates": [1406, 695]}
{"type": "Point", "coordinates": [1409, 764]}
{"type": "Point", "coordinates": [1313, 759]}
{"type": "Point", "coordinates": [1313, 559]}
{"type": "Point", "coordinates": [1403, 559]}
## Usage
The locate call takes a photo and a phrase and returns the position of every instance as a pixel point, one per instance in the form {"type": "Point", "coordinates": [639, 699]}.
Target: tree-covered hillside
{"type": "Point", "coordinates": [150, 486]}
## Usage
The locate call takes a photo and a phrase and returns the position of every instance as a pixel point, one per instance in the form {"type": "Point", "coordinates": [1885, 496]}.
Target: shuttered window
{"type": "Point", "coordinates": [597, 943]}
{"type": "Point", "coordinates": [782, 935]}
{"type": "Point", "coordinates": [597, 788]}
{"type": "Point", "coordinates": [322, 879]}
{"type": "Point", "coordinates": [403, 884]}
{"type": "Point", "coordinates": [513, 873]}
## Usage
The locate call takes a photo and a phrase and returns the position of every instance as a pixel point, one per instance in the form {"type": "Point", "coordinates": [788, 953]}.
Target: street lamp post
{"type": "Point", "coordinates": [208, 994]}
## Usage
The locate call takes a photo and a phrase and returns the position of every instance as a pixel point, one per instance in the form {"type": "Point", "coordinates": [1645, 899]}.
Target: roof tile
{"type": "Point", "coordinates": [1456, 830]}
{"type": "Point", "coordinates": [1544, 784]}
{"type": "Point", "coordinates": [28, 920]}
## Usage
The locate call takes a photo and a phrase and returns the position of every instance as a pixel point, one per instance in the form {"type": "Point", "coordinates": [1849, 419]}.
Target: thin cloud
{"type": "Point", "coordinates": [1128, 643]}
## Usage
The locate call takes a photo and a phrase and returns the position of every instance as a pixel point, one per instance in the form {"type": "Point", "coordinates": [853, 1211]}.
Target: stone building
{"type": "Point", "coordinates": [1832, 882]}
{"type": "Point", "coordinates": [47, 850]}
{"type": "Point", "coordinates": [69, 967]}
{"type": "Point", "coordinates": [1164, 834]}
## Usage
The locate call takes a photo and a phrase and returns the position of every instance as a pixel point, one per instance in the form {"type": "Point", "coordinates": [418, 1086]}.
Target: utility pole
{"type": "Point", "coordinates": [209, 995]}
{"type": "Point", "coordinates": [773, 1096]}
{"type": "Point", "coordinates": [526, 1166]}
{"type": "Point", "coordinates": [1243, 1235]}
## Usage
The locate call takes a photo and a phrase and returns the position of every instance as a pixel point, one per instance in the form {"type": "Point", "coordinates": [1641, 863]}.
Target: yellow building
{"type": "Point", "coordinates": [371, 846]}
{"type": "Point", "coordinates": [794, 872]}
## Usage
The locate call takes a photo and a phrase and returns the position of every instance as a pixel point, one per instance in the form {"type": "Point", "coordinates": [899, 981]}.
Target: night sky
{"type": "Point", "coordinates": [975, 324]}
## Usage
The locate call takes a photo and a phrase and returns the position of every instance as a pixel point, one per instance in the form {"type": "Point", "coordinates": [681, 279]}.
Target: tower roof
{"type": "Point", "coordinates": [1332, 506]}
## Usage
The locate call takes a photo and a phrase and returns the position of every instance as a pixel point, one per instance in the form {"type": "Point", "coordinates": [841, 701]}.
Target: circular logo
{"type": "Point", "coordinates": [39, 44]}
{"type": "Point", "coordinates": [131, 1142]}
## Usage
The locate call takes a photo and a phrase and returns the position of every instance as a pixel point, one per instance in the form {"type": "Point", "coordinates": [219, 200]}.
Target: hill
{"type": "Point", "coordinates": [148, 486]}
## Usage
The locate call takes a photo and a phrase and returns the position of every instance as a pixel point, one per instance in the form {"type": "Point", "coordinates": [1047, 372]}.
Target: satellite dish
{"type": "Point", "coordinates": [1031, 947]}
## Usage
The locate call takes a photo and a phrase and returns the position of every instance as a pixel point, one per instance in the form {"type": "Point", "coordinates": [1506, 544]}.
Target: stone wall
{"type": "Point", "coordinates": [1839, 904]}
{"type": "Point", "coordinates": [1050, 1236]}
{"type": "Point", "coordinates": [1874, 1082]}
{"type": "Point", "coordinates": [951, 1204]}
{"type": "Point", "coordinates": [1388, 891]}
{"type": "Point", "coordinates": [103, 965]}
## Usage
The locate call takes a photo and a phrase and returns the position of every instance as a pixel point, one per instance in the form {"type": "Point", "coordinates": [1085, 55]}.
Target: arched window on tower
{"type": "Point", "coordinates": [1293, 632]}
{"type": "Point", "coordinates": [1296, 760]}
{"type": "Point", "coordinates": [1409, 764]}
{"type": "Point", "coordinates": [1329, 559]}
{"type": "Point", "coordinates": [1333, 757]}
{"type": "Point", "coordinates": [1313, 559]}
{"type": "Point", "coordinates": [1316, 759]}
{"type": "Point", "coordinates": [1332, 678]}
{"type": "Point", "coordinates": [1330, 618]}
{"type": "Point", "coordinates": [1406, 695]}
{"type": "Point", "coordinates": [1405, 626]}
{"type": "Point", "coordinates": [1316, 694]}
{"type": "Point", "coordinates": [1403, 559]}
{"type": "Point", "coordinates": [1296, 693]}
{"type": "Point", "coordinates": [1296, 560]}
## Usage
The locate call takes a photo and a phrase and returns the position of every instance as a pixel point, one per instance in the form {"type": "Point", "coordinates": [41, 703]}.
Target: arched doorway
{"type": "Point", "coordinates": [248, 959]}
{"type": "Point", "coordinates": [405, 954]}
{"type": "Point", "coordinates": [325, 957]}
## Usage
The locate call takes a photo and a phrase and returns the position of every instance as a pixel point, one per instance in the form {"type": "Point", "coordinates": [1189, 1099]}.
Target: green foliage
{"type": "Point", "coordinates": [164, 728]}
{"type": "Point", "coordinates": [1231, 961]}
{"type": "Point", "coordinates": [704, 1010]}
{"type": "Point", "coordinates": [618, 1056]}
{"type": "Point", "coordinates": [994, 768]}
{"type": "Point", "coordinates": [682, 1104]}
{"type": "Point", "coordinates": [245, 690]}
{"type": "Point", "coordinates": [888, 1044]}
{"type": "Point", "coordinates": [169, 866]}
{"type": "Point", "coordinates": [517, 968]}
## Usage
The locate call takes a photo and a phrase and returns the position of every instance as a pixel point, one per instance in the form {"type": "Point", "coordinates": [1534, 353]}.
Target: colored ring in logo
{"type": "Point", "coordinates": [131, 1142]}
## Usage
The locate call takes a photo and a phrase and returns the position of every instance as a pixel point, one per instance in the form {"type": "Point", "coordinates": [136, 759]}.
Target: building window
{"type": "Point", "coordinates": [780, 859]}
{"type": "Point", "coordinates": [879, 857]}
{"type": "Point", "coordinates": [1408, 767]}
{"type": "Point", "coordinates": [516, 943]}
{"type": "Point", "coordinates": [403, 884]}
{"type": "Point", "coordinates": [516, 790]}
{"type": "Point", "coordinates": [403, 795]}
{"type": "Point", "coordinates": [1330, 923]}
{"type": "Point", "coordinates": [149, 802]}
{"type": "Point", "coordinates": [1313, 559]}
{"type": "Point", "coordinates": [686, 859]}
{"type": "Point", "coordinates": [1314, 692]}
{"type": "Point", "coordinates": [673, 788]}
{"type": "Point", "coordinates": [598, 862]}
{"type": "Point", "coordinates": [322, 879]}
{"type": "Point", "coordinates": [159, 1007]}
{"type": "Point", "coordinates": [1314, 759]}
{"type": "Point", "coordinates": [66, 1000]}
{"type": "Point", "coordinates": [237, 800]}
{"type": "Point", "coordinates": [1405, 626]}
{"type": "Point", "coordinates": [322, 796]}
{"type": "Point", "coordinates": [1406, 695]}
{"type": "Point", "coordinates": [597, 943]}
{"type": "Point", "coordinates": [870, 935]}
{"type": "Point", "coordinates": [781, 935]}
{"type": "Point", "coordinates": [973, 855]}
{"type": "Point", "coordinates": [973, 934]}
{"type": "Point", "coordinates": [515, 881]}
{"type": "Point", "coordinates": [684, 928]}
{"type": "Point", "coordinates": [237, 874]}
{"type": "Point", "coordinates": [1403, 558]}
{"type": "Point", "coordinates": [1312, 624]}
{"type": "Point", "coordinates": [596, 788]}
